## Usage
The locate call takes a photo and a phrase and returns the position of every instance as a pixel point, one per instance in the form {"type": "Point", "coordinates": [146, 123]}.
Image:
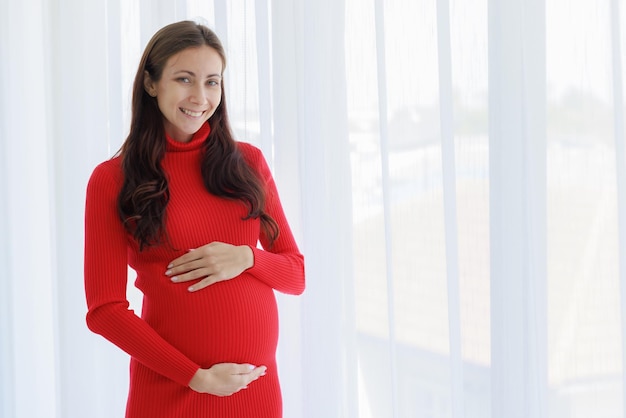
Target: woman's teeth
{"type": "Point", "coordinates": [190, 113]}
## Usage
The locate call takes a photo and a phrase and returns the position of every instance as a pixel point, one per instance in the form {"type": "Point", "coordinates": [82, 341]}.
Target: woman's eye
{"type": "Point", "coordinates": [183, 80]}
{"type": "Point", "coordinates": [213, 83]}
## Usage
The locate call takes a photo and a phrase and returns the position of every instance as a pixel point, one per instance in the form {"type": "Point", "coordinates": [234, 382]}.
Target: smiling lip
{"type": "Point", "coordinates": [191, 113]}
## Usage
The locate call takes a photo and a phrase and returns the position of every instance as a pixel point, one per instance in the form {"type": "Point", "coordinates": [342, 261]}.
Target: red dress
{"type": "Point", "coordinates": [234, 321]}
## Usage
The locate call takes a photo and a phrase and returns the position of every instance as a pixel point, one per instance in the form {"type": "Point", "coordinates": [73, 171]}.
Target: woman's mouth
{"type": "Point", "coordinates": [191, 113]}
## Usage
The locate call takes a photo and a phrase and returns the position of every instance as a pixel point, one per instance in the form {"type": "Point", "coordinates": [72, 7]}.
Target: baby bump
{"type": "Point", "coordinates": [231, 321]}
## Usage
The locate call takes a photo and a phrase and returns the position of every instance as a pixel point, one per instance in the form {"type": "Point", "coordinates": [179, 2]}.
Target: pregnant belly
{"type": "Point", "coordinates": [231, 321]}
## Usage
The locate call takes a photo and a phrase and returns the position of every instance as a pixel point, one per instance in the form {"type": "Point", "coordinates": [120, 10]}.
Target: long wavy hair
{"type": "Point", "coordinates": [144, 195]}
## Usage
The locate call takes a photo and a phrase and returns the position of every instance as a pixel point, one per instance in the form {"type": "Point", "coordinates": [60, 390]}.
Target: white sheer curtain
{"type": "Point", "coordinates": [454, 170]}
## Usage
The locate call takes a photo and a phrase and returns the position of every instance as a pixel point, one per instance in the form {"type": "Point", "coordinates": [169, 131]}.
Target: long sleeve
{"type": "Point", "coordinates": [106, 272]}
{"type": "Point", "coordinates": [281, 265]}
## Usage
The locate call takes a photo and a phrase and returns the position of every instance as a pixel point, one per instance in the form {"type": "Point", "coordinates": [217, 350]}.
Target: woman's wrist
{"type": "Point", "coordinates": [199, 381]}
{"type": "Point", "coordinates": [247, 257]}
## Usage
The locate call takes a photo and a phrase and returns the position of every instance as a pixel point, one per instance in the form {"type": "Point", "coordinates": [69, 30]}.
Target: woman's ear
{"type": "Point", "coordinates": [148, 85]}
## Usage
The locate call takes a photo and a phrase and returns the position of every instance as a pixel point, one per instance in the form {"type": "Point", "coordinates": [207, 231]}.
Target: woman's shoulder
{"type": "Point", "coordinates": [108, 172]}
{"type": "Point", "coordinates": [252, 154]}
{"type": "Point", "coordinates": [255, 159]}
{"type": "Point", "coordinates": [248, 149]}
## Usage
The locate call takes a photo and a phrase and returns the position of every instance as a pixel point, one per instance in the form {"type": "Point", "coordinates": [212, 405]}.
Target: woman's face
{"type": "Point", "coordinates": [189, 91]}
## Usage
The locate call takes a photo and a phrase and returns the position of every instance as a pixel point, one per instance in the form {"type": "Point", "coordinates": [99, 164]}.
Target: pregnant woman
{"type": "Point", "coordinates": [185, 205]}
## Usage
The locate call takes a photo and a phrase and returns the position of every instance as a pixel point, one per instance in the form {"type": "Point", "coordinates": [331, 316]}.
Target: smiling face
{"type": "Point", "coordinates": [189, 90]}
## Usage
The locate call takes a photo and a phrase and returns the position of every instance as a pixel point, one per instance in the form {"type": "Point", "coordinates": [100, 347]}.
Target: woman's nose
{"type": "Point", "coordinates": [198, 95]}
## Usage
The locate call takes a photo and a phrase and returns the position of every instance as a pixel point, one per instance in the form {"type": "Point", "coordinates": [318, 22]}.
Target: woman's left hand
{"type": "Point", "coordinates": [212, 263]}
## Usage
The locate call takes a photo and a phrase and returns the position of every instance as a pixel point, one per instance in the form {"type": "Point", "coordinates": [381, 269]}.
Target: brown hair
{"type": "Point", "coordinates": [144, 195]}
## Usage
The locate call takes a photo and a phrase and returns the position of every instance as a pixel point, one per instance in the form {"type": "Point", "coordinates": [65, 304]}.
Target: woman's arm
{"type": "Point", "coordinates": [106, 273]}
{"type": "Point", "coordinates": [280, 265]}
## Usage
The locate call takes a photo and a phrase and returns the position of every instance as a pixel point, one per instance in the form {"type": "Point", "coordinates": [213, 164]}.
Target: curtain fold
{"type": "Point", "coordinates": [517, 208]}
{"type": "Point", "coordinates": [453, 171]}
{"type": "Point", "coordinates": [620, 164]}
{"type": "Point", "coordinates": [387, 243]}
{"type": "Point", "coordinates": [448, 153]}
{"type": "Point", "coordinates": [28, 209]}
{"type": "Point", "coordinates": [325, 181]}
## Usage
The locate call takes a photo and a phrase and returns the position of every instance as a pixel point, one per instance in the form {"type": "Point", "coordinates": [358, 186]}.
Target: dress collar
{"type": "Point", "coordinates": [196, 140]}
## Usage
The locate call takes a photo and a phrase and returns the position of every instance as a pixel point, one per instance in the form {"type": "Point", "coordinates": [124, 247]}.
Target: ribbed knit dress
{"type": "Point", "coordinates": [178, 332]}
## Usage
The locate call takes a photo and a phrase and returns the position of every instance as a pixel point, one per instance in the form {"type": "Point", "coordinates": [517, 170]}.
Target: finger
{"type": "Point", "coordinates": [192, 275]}
{"type": "Point", "coordinates": [185, 258]}
{"type": "Point", "coordinates": [186, 268]}
{"type": "Point", "coordinates": [255, 374]}
{"type": "Point", "coordinates": [201, 284]}
{"type": "Point", "coordinates": [260, 371]}
{"type": "Point", "coordinates": [243, 368]}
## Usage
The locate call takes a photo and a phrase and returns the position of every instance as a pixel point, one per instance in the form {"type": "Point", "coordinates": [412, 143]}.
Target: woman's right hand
{"type": "Point", "coordinates": [224, 379]}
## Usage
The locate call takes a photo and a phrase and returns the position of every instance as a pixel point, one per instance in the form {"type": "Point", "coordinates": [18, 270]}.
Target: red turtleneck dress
{"type": "Point", "coordinates": [233, 321]}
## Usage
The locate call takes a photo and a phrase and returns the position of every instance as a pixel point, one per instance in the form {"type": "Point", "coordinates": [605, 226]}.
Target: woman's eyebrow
{"type": "Point", "coordinates": [191, 73]}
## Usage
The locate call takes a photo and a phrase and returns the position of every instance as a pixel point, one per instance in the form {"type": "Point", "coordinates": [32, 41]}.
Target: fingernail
{"type": "Point", "coordinates": [167, 273]}
{"type": "Point", "coordinates": [251, 367]}
{"type": "Point", "coordinates": [190, 288]}
{"type": "Point", "coordinates": [174, 279]}
{"type": "Point", "coordinates": [170, 265]}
